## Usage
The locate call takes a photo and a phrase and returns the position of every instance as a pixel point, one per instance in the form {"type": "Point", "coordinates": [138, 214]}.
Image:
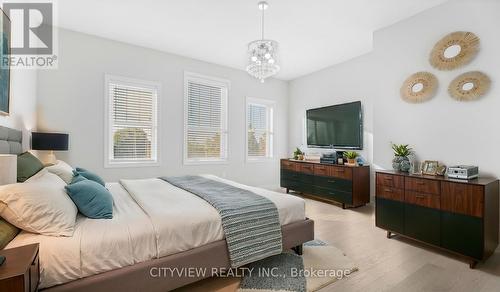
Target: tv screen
{"type": "Point", "coordinates": [338, 126]}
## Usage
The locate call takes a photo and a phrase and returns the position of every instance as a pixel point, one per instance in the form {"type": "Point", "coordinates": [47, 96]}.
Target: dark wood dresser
{"type": "Point", "coordinates": [348, 185]}
{"type": "Point", "coordinates": [460, 216]}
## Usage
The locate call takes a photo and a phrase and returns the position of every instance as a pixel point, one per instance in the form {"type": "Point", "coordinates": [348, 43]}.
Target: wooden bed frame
{"type": "Point", "coordinates": [144, 276]}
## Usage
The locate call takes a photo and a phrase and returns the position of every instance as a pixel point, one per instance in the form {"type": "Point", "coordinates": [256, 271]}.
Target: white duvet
{"type": "Point", "coordinates": [151, 219]}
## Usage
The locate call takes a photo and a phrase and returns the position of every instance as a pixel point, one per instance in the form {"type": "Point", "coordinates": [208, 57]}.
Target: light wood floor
{"type": "Point", "coordinates": [395, 264]}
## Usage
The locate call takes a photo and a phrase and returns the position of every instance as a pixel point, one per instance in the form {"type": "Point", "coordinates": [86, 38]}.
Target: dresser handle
{"type": "Point", "coordinates": [421, 183]}
{"type": "Point", "coordinates": [389, 190]}
{"type": "Point", "coordinates": [388, 178]}
{"type": "Point", "coordinates": [420, 196]}
{"type": "Point", "coordinates": [340, 170]}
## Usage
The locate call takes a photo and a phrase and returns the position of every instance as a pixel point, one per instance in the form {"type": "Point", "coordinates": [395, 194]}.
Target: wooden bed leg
{"type": "Point", "coordinates": [298, 249]}
{"type": "Point", "coordinates": [287, 191]}
{"type": "Point", "coordinates": [388, 234]}
{"type": "Point", "coordinates": [343, 206]}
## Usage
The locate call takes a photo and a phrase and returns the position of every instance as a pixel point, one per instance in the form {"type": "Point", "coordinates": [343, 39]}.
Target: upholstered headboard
{"type": "Point", "coordinates": [10, 141]}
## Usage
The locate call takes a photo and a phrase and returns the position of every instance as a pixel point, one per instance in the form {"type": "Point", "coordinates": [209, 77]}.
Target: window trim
{"type": "Point", "coordinates": [211, 81]}
{"type": "Point", "coordinates": [270, 104]}
{"type": "Point", "coordinates": [156, 137]}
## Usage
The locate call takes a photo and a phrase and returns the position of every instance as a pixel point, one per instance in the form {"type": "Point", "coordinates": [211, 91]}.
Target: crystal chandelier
{"type": "Point", "coordinates": [262, 54]}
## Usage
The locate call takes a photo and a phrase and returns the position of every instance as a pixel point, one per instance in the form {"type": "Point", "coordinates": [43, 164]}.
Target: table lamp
{"type": "Point", "coordinates": [8, 169]}
{"type": "Point", "coordinates": [49, 142]}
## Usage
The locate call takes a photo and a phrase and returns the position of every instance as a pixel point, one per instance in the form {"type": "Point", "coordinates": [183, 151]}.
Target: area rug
{"type": "Point", "coordinates": [321, 265]}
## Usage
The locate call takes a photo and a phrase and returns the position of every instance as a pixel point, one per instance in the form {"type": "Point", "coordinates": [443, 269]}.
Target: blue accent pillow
{"type": "Point", "coordinates": [77, 177]}
{"type": "Point", "coordinates": [90, 175]}
{"type": "Point", "coordinates": [91, 199]}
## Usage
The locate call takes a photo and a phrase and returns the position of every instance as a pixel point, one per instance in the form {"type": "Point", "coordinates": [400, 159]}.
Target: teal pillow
{"type": "Point", "coordinates": [91, 199]}
{"type": "Point", "coordinates": [77, 177]}
{"type": "Point", "coordinates": [27, 166]}
{"type": "Point", "coordinates": [90, 175]}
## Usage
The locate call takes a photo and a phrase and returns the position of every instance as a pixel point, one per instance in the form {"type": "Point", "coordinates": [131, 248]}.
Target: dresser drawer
{"type": "Point", "coordinates": [462, 198]}
{"type": "Point", "coordinates": [390, 193]}
{"type": "Point", "coordinates": [290, 165]}
{"type": "Point", "coordinates": [423, 224]}
{"type": "Point", "coordinates": [422, 185]}
{"type": "Point", "coordinates": [390, 214]}
{"type": "Point", "coordinates": [333, 183]}
{"type": "Point", "coordinates": [389, 180]}
{"type": "Point", "coordinates": [422, 199]}
{"type": "Point", "coordinates": [289, 175]}
{"type": "Point", "coordinates": [306, 168]}
{"type": "Point", "coordinates": [341, 172]}
{"type": "Point", "coordinates": [338, 196]}
{"type": "Point", "coordinates": [322, 170]}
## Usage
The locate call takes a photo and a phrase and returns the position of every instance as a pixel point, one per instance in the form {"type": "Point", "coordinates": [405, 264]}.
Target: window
{"type": "Point", "coordinates": [205, 119]}
{"type": "Point", "coordinates": [131, 116]}
{"type": "Point", "coordinates": [259, 129]}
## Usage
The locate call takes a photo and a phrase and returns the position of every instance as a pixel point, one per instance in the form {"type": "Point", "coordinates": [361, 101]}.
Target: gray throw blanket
{"type": "Point", "coordinates": [250, 222]}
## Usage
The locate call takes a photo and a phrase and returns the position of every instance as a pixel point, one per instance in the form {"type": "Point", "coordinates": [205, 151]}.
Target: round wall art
{"type": "Point", "coordinates": [469, 86]}
{"type": "Point", "coordinates": [454, 50]}
{"type": "Point", "coordinates": [419, 87]}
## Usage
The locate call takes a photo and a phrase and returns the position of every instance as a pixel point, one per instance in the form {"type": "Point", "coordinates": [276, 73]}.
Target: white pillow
{"type": "Point", "coordinates": [39, 206]}
{"type": "Point", "coordinates": [63, 170]}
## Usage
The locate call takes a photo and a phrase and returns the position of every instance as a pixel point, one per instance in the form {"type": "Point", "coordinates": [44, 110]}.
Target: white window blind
{"type": "Point", "coordinates": [259, 129]}
{"type": "Point", "coordinates": [205, 119]}
{"type": "Point", "coordinates": [132, 121]}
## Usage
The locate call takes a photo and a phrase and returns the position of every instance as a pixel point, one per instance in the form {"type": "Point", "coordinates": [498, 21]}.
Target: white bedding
{"type": "Point", "coordinates": [153, 219]}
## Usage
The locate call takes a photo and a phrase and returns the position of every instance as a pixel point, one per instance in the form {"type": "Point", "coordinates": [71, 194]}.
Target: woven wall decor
{"type": "Point", "coordinates": [419, 87]}
{"type": "Point", "coordinates": [469, 86]}
{"type": "Point", "coordinates": [468, 44]}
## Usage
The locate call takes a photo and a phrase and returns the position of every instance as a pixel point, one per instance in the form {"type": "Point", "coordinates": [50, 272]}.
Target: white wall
{"type": "Point", "coordinates": [22, 103]}
{"type": "Point", "coordinates": [441, 129]}
{"type": "Point", "coordinates": [71, 99]}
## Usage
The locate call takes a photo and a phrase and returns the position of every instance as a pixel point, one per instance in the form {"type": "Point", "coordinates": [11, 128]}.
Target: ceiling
{"type": "Point", "coordinates": [312, 34]}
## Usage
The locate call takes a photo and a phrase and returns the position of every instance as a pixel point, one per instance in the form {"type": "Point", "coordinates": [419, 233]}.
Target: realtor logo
{"type": "Point", "coordinates": [29, 36]}
{"type": "Point", "coordinates": [35, 34]}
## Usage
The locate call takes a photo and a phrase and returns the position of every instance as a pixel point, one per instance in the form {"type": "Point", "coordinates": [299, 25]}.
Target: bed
{"type": "Point", "coordinates": [155, 226]}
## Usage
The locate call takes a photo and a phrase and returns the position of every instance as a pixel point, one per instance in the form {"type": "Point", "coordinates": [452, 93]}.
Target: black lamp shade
{"type": "Point", "coordinates": [49, 141]}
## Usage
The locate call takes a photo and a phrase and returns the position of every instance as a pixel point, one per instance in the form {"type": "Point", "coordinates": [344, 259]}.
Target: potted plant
{"type": "Point", "coordinates": [351, 157]}
{"type": "Point", "coordinates": [298, 155]}
{"type": "Point", "coordinates": [401, 161]}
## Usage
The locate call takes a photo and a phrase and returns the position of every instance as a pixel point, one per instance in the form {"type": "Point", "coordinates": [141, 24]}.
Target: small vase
{"type": "Point", "coordinates": [400, 163]}
{"type": "Point", "coordinates": [405, 165]}
{"type": "Point", "coordinates": [351, 161]}
{"type": "Point", "coordinates": [396, 163]}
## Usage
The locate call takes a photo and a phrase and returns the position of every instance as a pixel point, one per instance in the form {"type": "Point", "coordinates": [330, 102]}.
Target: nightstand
{"type": "Point", "coordinates": [20, 271]}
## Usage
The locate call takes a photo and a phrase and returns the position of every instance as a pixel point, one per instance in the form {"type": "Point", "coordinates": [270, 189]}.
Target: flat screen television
{"type": "Point", "coordinates": [337, 126]}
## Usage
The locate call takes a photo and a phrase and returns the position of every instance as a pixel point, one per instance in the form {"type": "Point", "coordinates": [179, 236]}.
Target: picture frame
{"type": "Point", "coordinates": [441, 170]}
{"type": "Point", "coordinates": [430, 167]}
{"type": "Point", "coordinates": [415, 167]}
{"type": "Point", "coordinates": [5, 51]}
